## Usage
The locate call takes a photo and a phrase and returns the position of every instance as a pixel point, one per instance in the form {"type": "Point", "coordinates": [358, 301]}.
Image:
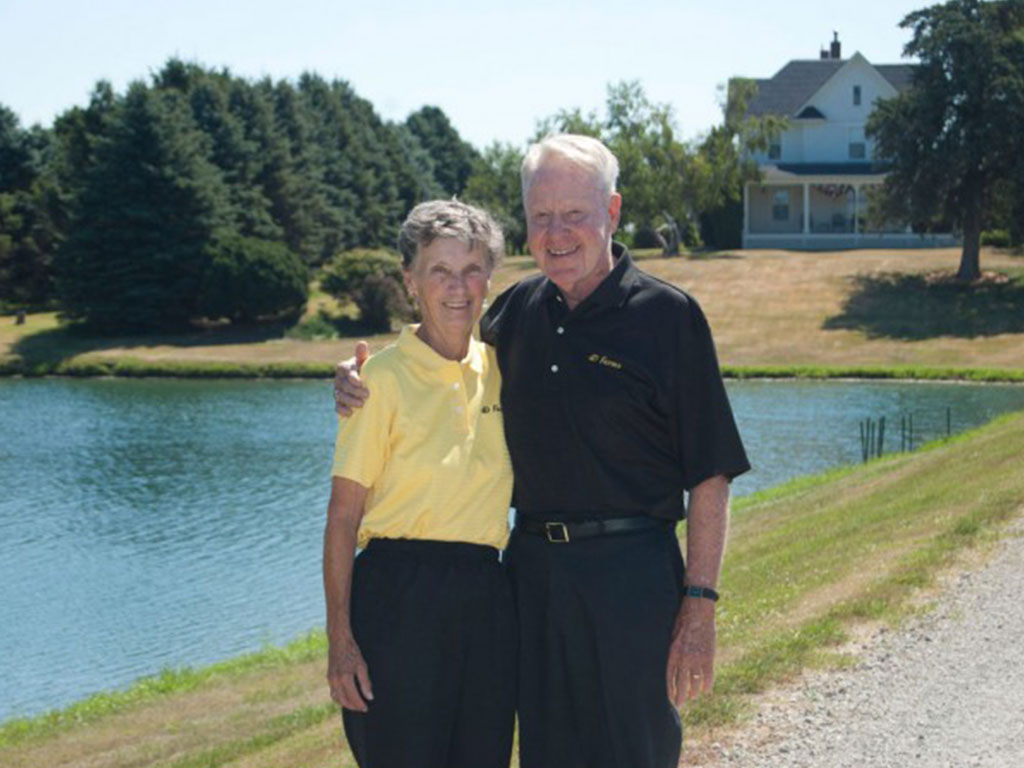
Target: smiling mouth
{"type": "Point", "coordinates": [566, 252]}
{"type": "Point", "coordinates": [455, 305]}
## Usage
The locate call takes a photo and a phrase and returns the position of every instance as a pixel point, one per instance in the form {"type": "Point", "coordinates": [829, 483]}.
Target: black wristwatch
{"type": "Point", "coordinates": [692, 590]}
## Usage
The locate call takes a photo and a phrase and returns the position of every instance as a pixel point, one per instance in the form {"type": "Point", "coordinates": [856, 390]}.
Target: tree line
{"type": "Point", "coordinates": [199, 194]}
{"type": "Point", "coordinates": [139, 209]}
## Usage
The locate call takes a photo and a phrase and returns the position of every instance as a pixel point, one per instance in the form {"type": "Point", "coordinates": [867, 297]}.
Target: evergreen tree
{"type": "Point", "coordinates": [495, 185]}
{"type": "Point", "coordinates": [28, 203]}
{"type": "Point", "coordinates": [149, 210]}
{"type": "Point", "coordinates": [453, 157]}
{"type": "Point", "coordinates": [419, 182]}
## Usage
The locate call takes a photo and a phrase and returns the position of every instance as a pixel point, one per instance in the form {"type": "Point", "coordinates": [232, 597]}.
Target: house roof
{"type": "Point", "coordinates": [898, 75]}
{"type": "Point", "coordinates": [790, 88]}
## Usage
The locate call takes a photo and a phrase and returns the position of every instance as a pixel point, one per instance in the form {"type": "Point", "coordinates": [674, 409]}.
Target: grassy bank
{"type": "Point", "coordinates": [130, 367]}
{"type": "Point", "coordinates": [857, 313]}
{"type": "Point", "coordinates": [807, 563]}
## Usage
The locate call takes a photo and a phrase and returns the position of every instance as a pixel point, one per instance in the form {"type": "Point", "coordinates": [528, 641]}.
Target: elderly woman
{"type": "Point", "coordinates": [420, 624]}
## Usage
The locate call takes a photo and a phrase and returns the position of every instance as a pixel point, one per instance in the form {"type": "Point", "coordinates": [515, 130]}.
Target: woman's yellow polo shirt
{"type": "Point", "coordinates": [429, 443]}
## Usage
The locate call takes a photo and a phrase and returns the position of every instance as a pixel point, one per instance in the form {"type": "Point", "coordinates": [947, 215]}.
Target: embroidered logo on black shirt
{"type": "Point", "coordinates": [605, 361]}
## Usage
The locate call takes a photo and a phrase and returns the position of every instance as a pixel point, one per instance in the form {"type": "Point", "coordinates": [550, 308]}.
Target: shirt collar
{"type": "Point", "coordinates": [423, 354]}
{"type": "Point", "coordinates": [614, 289]}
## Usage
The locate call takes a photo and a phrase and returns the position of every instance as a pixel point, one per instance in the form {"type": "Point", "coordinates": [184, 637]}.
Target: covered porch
{"type": "Point", "coordinates": [813, 207]}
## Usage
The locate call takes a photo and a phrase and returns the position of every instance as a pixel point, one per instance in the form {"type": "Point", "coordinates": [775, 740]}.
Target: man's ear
{"type": "Point", "coordinates": [615, 210]}
{"type": "Point", "coordinates": [407, 279]}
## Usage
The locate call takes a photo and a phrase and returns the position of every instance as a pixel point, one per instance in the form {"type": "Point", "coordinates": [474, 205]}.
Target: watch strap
{"type": "Point", "coordinates": [693, 590]}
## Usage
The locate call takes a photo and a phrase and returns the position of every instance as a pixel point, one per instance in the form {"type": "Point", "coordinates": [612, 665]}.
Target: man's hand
{"type": "Point", "coordinates": [348, 676]}
{"type": "Point", "coordinates": [349, 392]}
{"type": "Point", "coordinates": [691, 656]}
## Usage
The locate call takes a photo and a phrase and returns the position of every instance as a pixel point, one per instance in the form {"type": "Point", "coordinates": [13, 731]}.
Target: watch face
{"type": "Point", "coordinates": [705, 592]}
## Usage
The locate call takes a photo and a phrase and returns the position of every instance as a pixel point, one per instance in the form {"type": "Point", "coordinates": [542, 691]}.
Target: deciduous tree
{"type": "Point", "coordinates": [955, 134]}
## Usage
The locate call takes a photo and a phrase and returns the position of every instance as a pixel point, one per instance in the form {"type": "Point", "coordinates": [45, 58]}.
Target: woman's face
{"type": "Point", "coordinates": [450, 282]}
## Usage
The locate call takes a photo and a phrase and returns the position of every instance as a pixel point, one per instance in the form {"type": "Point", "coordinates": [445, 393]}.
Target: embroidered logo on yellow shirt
{"type": "Point", "coordinates": [496, 408]}
{"type": "Point", "coordinates": [605, 361]}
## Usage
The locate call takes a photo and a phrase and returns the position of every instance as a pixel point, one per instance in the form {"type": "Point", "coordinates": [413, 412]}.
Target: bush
{"type": "Point", "coordinates": [997, 238]}
{"type": "Point", "coordinates": [372, 280]}
{"type": "Point", "coordinates": [248, 279]}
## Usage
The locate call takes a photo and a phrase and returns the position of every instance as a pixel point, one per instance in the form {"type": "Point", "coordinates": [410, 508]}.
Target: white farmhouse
{"type": "Point", "coordinates": [817, 178]}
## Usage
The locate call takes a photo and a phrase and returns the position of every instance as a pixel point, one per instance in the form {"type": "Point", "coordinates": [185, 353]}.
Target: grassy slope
{"type": "Point", "coordinates": [806, 562]}
{"type": "Point", "coordinates": [828, 312]}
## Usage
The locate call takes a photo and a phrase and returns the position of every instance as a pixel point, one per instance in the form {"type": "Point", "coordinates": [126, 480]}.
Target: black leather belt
{"type": "Point", "coordinates": [563, 533]}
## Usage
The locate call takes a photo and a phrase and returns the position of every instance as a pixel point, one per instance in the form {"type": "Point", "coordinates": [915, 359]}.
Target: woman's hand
{"type": "Point", "coordinates": [348, 675]}
{"type": "Point", "coordinates": [349, 392]}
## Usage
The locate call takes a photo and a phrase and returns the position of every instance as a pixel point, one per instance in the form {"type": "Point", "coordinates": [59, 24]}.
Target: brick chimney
{"type": "Point", "coordinates": [835, 50]}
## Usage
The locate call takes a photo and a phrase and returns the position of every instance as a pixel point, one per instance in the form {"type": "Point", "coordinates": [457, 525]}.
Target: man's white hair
{"type": "Point", "coordinates": [584, 151]}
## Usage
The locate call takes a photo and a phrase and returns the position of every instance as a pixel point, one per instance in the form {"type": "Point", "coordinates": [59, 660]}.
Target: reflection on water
{"type": "Point", "coordinates": [157, 523]}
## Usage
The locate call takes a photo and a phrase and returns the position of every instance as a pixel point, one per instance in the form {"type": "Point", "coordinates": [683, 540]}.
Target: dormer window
{"type": "Point", "coordinates": [856, 95]}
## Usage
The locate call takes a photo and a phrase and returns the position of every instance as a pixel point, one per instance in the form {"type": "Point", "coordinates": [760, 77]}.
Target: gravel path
{"type": "Point", "coordinates": [946, 690]}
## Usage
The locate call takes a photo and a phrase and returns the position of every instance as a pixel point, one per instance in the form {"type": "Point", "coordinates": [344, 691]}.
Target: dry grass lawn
{"type": "Point", "coordinates": [766, 308]}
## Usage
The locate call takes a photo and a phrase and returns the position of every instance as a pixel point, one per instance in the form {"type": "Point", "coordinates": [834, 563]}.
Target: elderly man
{"type": "Point", "coordinates": [613, 407]}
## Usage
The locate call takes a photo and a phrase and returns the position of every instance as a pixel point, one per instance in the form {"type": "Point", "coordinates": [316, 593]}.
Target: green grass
{"type": "Point", "coordinates": [168, 682]}
{"type": "Point", "coordinates": [137, 368]}
{"type": "Point", "coordinates": [900, 372]}
{"type": "Point", "coordinates": [277, 730]}
{"type": "Point", "coordinates": [130, 367]}
{"type": "Point", "coordinates": [809, 558]}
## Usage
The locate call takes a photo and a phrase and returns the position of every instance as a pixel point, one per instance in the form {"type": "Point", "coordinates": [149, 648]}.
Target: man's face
{"type": "Point", "coordinates": [570, 220]}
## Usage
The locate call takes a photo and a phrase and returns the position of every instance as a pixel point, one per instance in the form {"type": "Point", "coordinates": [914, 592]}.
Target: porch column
{"type": "Point", "coordinates": [807, 208]}
{"type": "Point", "coordinates": [746, 208]}
{"type": "Point", "coordinates": [856, 209]}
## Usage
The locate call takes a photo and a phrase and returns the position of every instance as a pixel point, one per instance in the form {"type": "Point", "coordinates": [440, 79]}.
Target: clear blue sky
{"type": "Point", "coordinates": [494, 67]}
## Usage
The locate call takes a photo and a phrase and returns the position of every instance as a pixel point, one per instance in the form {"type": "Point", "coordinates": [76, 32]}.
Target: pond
{"type": "Point", "coordinates": [155, 523]}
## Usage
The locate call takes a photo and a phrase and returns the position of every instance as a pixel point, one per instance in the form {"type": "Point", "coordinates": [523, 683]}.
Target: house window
{"type": "Point", "coordinates": [780, 205]}
{"type": "Point", "coordinates": [858, 144]}
{"type": "Point", "coordinates": [856, 95]}
{"type": "Point", "coordinates": [775, 151]}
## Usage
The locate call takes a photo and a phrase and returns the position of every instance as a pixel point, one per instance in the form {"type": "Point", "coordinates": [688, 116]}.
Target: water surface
{"type": "Point", "coordinates": [153, 523]}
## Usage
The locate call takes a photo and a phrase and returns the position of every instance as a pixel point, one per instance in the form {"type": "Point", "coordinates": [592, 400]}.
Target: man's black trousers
{"type": "Point", "coordinates": [595, 621]}
{"type": "Point", "coordinates": [436, 624]}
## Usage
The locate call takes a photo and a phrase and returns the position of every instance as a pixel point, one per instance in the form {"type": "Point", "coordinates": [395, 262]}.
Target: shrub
{"type": "Point", "coordinates": [372, 280]}
{"type": "Point", "coordinates": [247, 279]}
{"type": "Point", "coordinates": [997, 238]}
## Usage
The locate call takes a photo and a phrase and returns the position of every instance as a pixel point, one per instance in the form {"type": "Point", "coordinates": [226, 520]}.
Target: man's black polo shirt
{"type": "Point", "coordinates": [616, 407]}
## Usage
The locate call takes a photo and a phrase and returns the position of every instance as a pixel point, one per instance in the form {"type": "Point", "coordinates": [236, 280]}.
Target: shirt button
{"type": "Point", "coordinates": [455, 385]}
{"type": "Point", "coordinates": [560, 330]}
{"type": "Point", "coordinates": [554, 369]}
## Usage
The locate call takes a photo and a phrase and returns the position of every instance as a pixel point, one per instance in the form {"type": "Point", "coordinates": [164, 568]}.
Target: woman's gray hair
{"type": "Point", "coordinates": [584, 151]}
{"type": "Point", "coordinates": [450, 218]}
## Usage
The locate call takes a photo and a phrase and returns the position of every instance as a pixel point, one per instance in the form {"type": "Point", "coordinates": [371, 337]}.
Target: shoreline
{"type": "Point", "coordinates": [138, 369]}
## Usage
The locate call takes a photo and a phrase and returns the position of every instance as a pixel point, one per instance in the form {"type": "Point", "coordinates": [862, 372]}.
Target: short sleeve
{"type": "Point", "coordinates": [497, 317]}
{"type": "Point", "coordinates": [364, 438]}
{"type": "Point", "coordinates": [709, 441]}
